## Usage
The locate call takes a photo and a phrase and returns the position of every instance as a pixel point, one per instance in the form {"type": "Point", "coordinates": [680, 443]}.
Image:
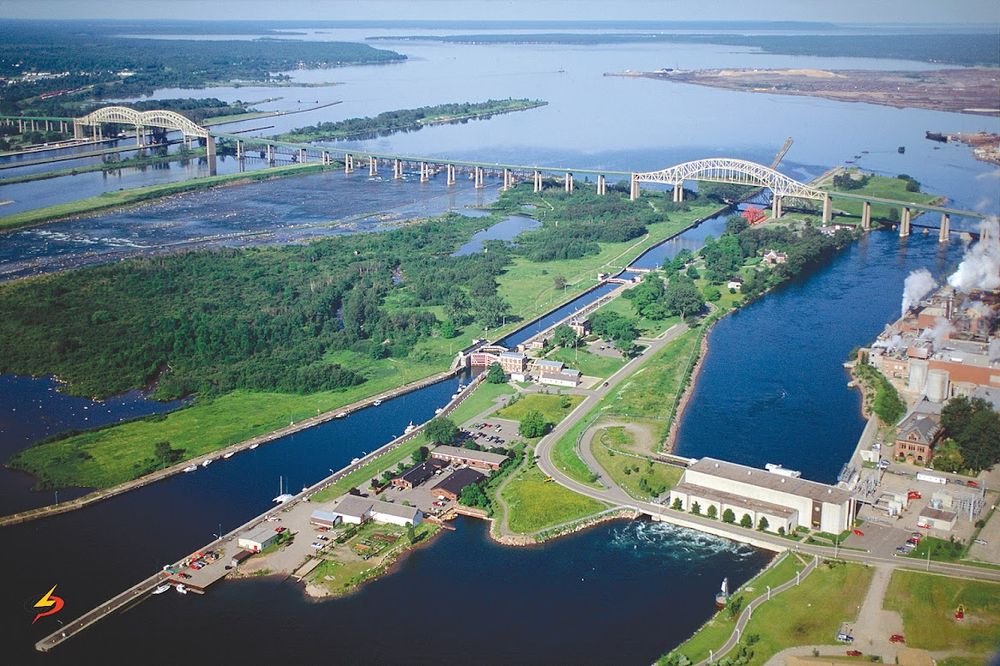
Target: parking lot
{"type": "Point", "coordinates": [493, 432]}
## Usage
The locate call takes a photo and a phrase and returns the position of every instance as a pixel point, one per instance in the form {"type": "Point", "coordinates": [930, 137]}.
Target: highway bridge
{"type": "Point", "coordinates": [785, 190]}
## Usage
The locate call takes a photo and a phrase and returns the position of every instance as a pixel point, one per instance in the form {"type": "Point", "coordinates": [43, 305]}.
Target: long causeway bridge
{"type": "Point", "coordinates": [785, 191]}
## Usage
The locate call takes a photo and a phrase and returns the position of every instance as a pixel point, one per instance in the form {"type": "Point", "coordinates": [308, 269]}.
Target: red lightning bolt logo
{"type": "Point", "coordinates": [50, 601]}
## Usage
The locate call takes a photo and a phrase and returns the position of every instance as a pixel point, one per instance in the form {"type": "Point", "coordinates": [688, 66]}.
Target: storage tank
{"type": "Point", "coordinates": [937, 385]}
{"type": "Point", "coordinates": [918, 375]}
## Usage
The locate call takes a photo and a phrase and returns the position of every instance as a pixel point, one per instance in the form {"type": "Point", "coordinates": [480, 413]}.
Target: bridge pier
{"type": "Point", "coordinates": [866, 215]}
{"type": "Point", "coordinates": [397, 169]}
{"type": "Point", "coordinates": [904, 223]}
{"type": "Point", "coordinates": [536, 179]}
{"type": "Point", "coordinates": [451, 175]}
{"type": "Point", "coordinates": [239, 149]}
{"type": "Point", "coordinates": [602, 186]}
{"type": "Point", "coordinates": [138, 135]}
{"type": "Point", "coordinates": [210, 147]}
{"type": "Point", "coordinates": [775, 206]}
{"type": "Point", "coordinates": [678, 192]}
{"type": "Point", "coordinates": [270, 154]}
{"type": "Point", "coordinates": [348, 163]}
{"type": "Point", "coordinates": [568, 182]}
{"type": "Point", "coordinates": [424, 172]}
{"type": "Point", "coordinates": [508, 180]}
{"type": "Point", "coordinates": [945, 228]}
{"type": "Point", "coordinates": [827, 210]}
{"type": "Point", "coordinates": [478, 178]}
{"type": "Point", "coordinates": [372, 166]}
{"type": "Point", "coordinates": [633, 192]}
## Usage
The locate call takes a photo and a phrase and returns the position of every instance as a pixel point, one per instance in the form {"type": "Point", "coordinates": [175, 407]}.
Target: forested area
{"type": "Point", "coordinates": [405, 120]}
{"type": "Point", "coordinates": [806, 246]}
{"type": "Point", "coordinates": [260, 319]}
{"type": "Point", "coordinates": [971, 436]}
{"type": "Point", "coordinates": [104, 64]}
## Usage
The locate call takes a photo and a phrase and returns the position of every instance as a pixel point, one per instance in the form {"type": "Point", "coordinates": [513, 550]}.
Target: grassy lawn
{"type": "Point", "coordinates": [481, 399]}
{"type": "Point", "coordinates": [928, 602]}
{"type": "Point", "coordinates": [886, 188]}
{"type": "Point", "coordinates": [122, 197]}
{"type": "Point", "coordinates": [643, 479]}
{"type": "Point", "coordinates": [648, 328]}
{"type": "Point", "coordinates": [941, 550]}
{"type": "Point", "coordinates": [342, 571]}
{"type": "Point", "coordinates": [650, 392]}
{"type": "Point", "coordinates": [565, 457]}
{"type": "Point", "coordinates": [554, 408]}
{"type": "Point", "coordinates": [536, 504]}
{"type": "Point", "coordinates": [530, 286]}
{"type": "Point", "coordinates": [714, 633]}
{"type": "Point", "coordinates": [591, 365]}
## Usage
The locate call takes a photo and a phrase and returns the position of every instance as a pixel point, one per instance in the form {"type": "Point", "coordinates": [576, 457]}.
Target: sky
{"type": "Point", "coordinates": [840, 11]}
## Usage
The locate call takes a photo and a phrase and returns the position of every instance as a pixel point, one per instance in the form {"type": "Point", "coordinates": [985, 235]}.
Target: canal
{"type": "Point", "coordinates": [772, 388]}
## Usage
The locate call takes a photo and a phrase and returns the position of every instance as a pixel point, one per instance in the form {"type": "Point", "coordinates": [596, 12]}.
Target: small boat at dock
{"type": "Point", "coordinates": [355, 461]}
{"type": "Point", "coordinates": [190, 468]}
{"type": "Point", "coordinates": [229, 455]}
{"type": "Point", "coordinates": [410, 428]}
{"type": "Point", "coordinates": [341, 415]}
{"type": "Point", "coordinates": [207, 463]}
{"type": "Point", "coordinates": [253, 446]}
{"type": "Point", "coordinates": [160, 589]}
{"type": "Point", "coordinates": [377, 403]}
{"type": "Point", "coordinates": [180, 588]}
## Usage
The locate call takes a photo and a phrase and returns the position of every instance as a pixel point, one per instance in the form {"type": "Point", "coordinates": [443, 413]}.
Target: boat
{"type": "Point", "coordinates": [190, 468]}
{"type": "Point", "coordinates": [160, 589]}
{"type": "Point", "coordinates": [180, 588]}
{"type": "Point", "coordinates": [438, 410]}
{"type": "Point", "coordinates": [410, 428]}
{"type": "Point", "coordinates": [377, 403]}
{"type": "Point", "coordinates": [723, 596]}
{"type": "Point", "coordinates": [253, 446]}
{"type": "Point", "coordinates": [781, 471]}
{"type": "Point", "coordinates": [207, 463]}
{"type": "Point", "coordinates": [341, 415]}
{"type": "Point", "coordinates": [936, 136]}
{"type": "Point", "coordinates": [355, 461]}
{"type": "Point", "coordinates": [229, 455]}
{"type": "Point", "coordinates": [282, 498]}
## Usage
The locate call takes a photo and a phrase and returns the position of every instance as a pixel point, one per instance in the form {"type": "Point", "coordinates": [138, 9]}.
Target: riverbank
{"type": "Point", "coordinates": [140, 195]}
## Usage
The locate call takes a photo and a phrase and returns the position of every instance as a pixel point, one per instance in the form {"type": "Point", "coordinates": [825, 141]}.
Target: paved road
{"type": "Point", "coordinates": [615, 495]}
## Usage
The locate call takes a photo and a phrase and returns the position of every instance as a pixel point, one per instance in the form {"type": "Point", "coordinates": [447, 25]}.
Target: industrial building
{"type": "Point", "coordinates": [355, 510]}
{"type": "Point", "coordinates": [258, 538]}
{"type": "Point", "coordinates": [470, 457]}
{"type": "Point", "coordinates": [324, 518]}
{"type": "Point", "coordinates": [784, 500]}
{"type": "Point", "coordinates": [417, 474]}
{"type": "Point", "coordinates": [918, 432]}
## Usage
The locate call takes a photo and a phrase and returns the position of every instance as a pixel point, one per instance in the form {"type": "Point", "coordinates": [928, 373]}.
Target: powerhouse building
{"type": "Point", "coordinates": [785, 501]}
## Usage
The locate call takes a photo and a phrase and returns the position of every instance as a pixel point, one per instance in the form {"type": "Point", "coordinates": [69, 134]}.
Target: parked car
{"type": "Point", "coordinates": [858, 533]}
{"type": "Point", "coordinates": [903, 550]}
{"type": "Point", "coordinates": [184, 574]}
{"type": "Point", "coordinates": [845, 638]}
{"type": "Point", "coordinates": [854, 653]}
{"type": "Point", "coordinates": [981, 542]}
{"type": "Point", "coordinates": [972, 484]}
{"type": "Point", "coordinates": [317, 545]}
{"type": "Point", "coordinates": [897, 638]}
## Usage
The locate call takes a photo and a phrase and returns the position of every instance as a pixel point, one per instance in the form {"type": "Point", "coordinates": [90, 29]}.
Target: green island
{"type": "Point", "coordinates": [407, 120]}
{"type": "Point", "coordinates": [108, 164]}
{"type": "Point", "coordinates": [252, 373]}
{"type": "Point", "coordinates": [115, 200]}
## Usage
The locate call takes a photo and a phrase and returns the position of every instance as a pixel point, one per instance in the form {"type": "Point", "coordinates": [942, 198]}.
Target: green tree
{"type": "Point", "coordinates": [559, 282]}
{"type": "Point", "coordinates": [448, 329]}
{"type": "Point", "coordinates": [948, 456]}
{"type": "Point", "coordinates": [677, 505]}
{"type": "Point", "coordinates": [734, 607]}
{"type": "Point", "coordinates": [746, 520]}
{"type": "Point", "coordinates": [696, 508]}
{"type": "Point", "coordinates": [728, 516]}
{"type": "Point", "coordinates": [712, 293]}
{"type": "Point", "coordinates": [421, 454]}
{"type": "Point", "coordinates": [762, 524]}
{"type": "Point", "coordinates": [165, 455]}
{"type": "Point", "coordinates": [495, 374]}
{"type": "Point", "coordinates": [441, 430]}
{"type": "Point", "coordinates": [491, 311]}
{"type": "Point", "coordinates": [682, 297]}
{"type": "Point", "coordinates": [411, 534]}
{"type": "Point", "coordinates": [533, 424]}
{"type": "Point", "coordinates": [712, 512]}
{"type": "Point", "coordinates": [473, 495]}
{"type": "Point", "coordinates": [975, 427]}
{"type": "Point", "coordinates": [564, 336]}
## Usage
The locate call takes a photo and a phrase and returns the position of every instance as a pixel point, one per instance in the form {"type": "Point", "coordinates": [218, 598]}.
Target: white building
{"type": "Point", "coordinates": [355, 510]}
{"type": "Point", "coordinates": [784, 501]}
{"type": "Point", "coordinates": [258, 539]}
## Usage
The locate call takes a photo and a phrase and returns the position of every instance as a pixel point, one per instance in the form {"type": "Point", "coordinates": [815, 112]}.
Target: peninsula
{"type": "Point", "coordinates": [972, 90]}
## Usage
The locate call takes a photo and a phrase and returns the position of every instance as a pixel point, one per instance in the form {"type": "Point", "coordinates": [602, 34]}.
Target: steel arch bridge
{"type": "Point", "coordinates": [123, 115]}
{"type": "Point", "coordinates": [730, 170]}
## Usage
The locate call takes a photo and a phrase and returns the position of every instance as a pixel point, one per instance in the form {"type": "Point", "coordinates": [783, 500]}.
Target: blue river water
{"type": "Point", "coordinates": [771, 390]}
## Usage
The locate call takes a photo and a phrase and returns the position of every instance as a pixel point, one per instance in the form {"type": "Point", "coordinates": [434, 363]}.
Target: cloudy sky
{"type": "Point", "coordinates": [841, 11]}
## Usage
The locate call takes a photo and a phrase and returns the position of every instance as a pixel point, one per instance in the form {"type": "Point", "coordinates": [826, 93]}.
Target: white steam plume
{"type": "Point", "coordinates": [939, 332]}
{"type": "Point", "coordinates": [917, 285]}
{"type": "Point", "coordinates": [980, 267]}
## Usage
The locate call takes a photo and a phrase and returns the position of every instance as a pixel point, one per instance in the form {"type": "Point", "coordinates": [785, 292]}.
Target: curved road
{"type": "Point", "coordinates": [615, 495]}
